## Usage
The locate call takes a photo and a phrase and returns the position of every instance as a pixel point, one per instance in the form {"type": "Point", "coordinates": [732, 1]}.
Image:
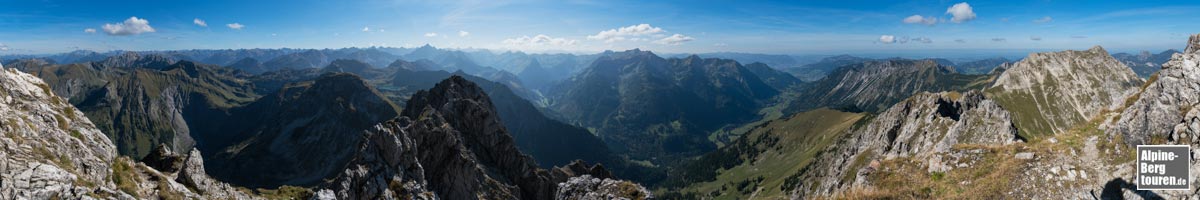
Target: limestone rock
{"type": "Point", "coordinates": [1051, 92]}
{"type": "Point", "coordinates": [1166, 101]}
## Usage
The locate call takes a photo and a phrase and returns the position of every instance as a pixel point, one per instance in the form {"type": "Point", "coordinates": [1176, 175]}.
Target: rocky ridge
{"type": "Point", "coordinates": [1050, 93]}
{"type": "Point", "coordinates": [448, 143]}
{"type": "Point", "coordinates": [922, 127]}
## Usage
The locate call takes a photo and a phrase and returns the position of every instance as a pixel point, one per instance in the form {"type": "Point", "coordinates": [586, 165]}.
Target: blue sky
{"type": "Point", "coordinates": [784, 27]}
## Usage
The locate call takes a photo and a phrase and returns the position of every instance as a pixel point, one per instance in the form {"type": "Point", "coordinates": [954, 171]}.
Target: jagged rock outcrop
{"type": "Point", "coordinates": [920, 127]}
{"type": "Point", "coordinates": [1051, 92]}
{"type": "Point", "coordinates": [1165, 111]}
{"type": "Point", "coordinates": [448, 143]}
{"type": "Point", "coordinates": [587, 187]}
{"type": "Point", "coordinates": [49, 150]}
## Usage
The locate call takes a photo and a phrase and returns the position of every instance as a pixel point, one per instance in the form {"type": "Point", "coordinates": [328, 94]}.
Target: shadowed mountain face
{"type": "Point", "coordinates": [872, 86]}
{"type": "Point", "coordinates": [639, 102]}
{"type": "Point", "coordinates": [298, 135]}
{"type": "Point", "coordinates": [141, 101]}
{"type": "Point", "coordinates": [549, 141]}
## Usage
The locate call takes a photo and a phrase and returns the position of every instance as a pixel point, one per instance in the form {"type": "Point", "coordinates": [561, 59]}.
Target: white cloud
{"type": "Point", "coordinates": [962, 12]}
{"type": "Point", "coordinates": [3, 47]}
{"type": "Point", "coordinates": [540, 40]}
{"type": "Point", "coordinates": [431, 34]}
{"type": "Point", "coordinates": [960, 41]}
{"type": "Point", "coordinates": [1035, 38]}
{"type": "Point", "coordinates": [918, 19]}
{"type": "Point", "coordinates": [999, 40]}
{"type": "Point", "coordinates": [923, 40]}
{"type": "Point", "coordinates": [131, 26]}
{"type": "Point", "coordinates": [463, 34]}
{"type": "Point", "coordinates": [887, 39]}
{"type": "Point", "coordinates": [89, 30]}
{"type": "Point", "coordinates": [199, 22]}
{"type": "Point", "coordinates": [1043, 20]}
{"type": "Point", "coordinates": [720, 45]}
{"type": "Point", "coordinates": [676, 39]}
{"type": "Point", "coordinates": [235, 26]}
{"type": "Point", "coordinates": [613, 35]}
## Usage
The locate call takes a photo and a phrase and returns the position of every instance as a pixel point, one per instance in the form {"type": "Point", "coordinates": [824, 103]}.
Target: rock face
{"type": "Point", "coordinates": [588, 188]}
{"type": "Point", "coordinates": [448, 143]}
{"type": "Point", "coordinates": [919, 127]}
{"type": "Point", "coordinates": [873, 86]}
{"type": "Point", "coordinates": [50, 150]}
{"type": "Point", "coordinates": [1051, 92]}
{"type": "Point", "coordinates": [1165, 110]}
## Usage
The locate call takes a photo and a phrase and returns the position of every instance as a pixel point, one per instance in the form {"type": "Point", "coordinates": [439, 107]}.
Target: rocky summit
{"type": "Point", "coordinates": [1051, 92]}
{"type": "Point", "coordinates": [449, 143]}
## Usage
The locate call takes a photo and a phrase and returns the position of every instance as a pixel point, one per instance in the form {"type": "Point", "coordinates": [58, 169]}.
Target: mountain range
{"type": "Point", "coordinates": [429, 123]}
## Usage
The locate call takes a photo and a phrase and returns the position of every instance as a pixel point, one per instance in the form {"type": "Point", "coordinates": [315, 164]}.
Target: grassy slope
{"type": "Point", "coordinates": [800, 138]}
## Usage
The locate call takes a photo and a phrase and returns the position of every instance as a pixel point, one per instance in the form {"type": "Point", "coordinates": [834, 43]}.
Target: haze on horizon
{"type": "Point", "coordinates": [908, 28]}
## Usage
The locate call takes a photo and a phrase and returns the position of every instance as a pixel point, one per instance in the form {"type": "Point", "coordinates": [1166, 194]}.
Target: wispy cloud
{"type": "Point", "coordinates": [918, 19]}
{"type": "Point", "coordinates": [925, 40]}
{"type": "Point", "coordinates": [618, 34]}
{"type": "Point", "coordinates": [199, 22]}
{"type": "Point", "coordinates": [235, 26]}
{"type": "Point", "coordinates": [887, 39]}
{"type": "Point", "coordinates": [89, 30]}
{"type": "Point", "coordinates": [1035, 38]}
{"type": "Point", "coordinates": [960, 41]}
{"type": "Point", "coordinates": [131, 26]}
{"type": "Point", "coordinates": [539, 40]}
{"type": "Point", "coordinates": [999, 40]}
{"type": "Point", "coordinates": [431, 34]}
{"type": "Point", "coordinates": [676, 39]}
{"type": "Point", "coordinates": [1043, 20]}
{"type": "Point", "coordinates": [463, 34]}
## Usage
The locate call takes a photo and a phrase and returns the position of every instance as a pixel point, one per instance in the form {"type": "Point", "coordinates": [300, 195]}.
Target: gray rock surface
{"type": "Point", "coordinates": [1052, 92]}
{"type": "Point", "coordinates": [920, 127]}
{"type": "Point", "coordinates": [587, 187]}
{"type": "Point", "coordinates": [1165, 102]}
